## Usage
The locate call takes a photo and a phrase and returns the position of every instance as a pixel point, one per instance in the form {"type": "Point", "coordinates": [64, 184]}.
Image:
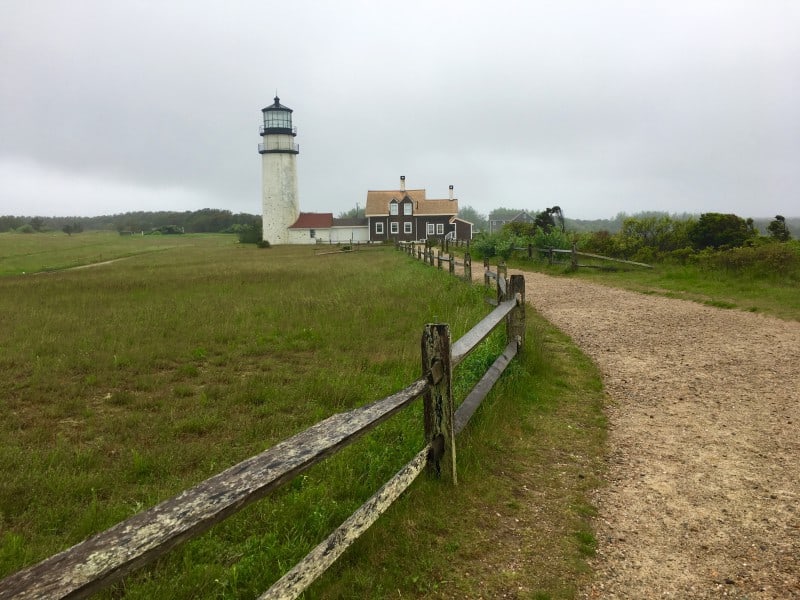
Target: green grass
{"type": "Point", "coordinates": [54, 251]}
{"type": "Point", "coordinates": [128, 382]}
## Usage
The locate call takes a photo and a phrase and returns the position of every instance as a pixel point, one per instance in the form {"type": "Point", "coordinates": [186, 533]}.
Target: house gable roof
{"type": "Point", "coordinates": [313, 221]}
{"type": "Point", "coordinates": [378, 203]}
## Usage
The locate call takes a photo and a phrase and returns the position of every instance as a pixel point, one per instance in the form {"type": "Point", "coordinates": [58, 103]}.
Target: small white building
{"type": "Point", "coordinates": [322, 228]}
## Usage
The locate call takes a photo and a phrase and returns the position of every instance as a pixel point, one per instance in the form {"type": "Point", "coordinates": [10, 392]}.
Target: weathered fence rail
{"type": "Point", "coordinates": [574, 254]}
{"type": "Point", "coordinates": [436, 258]}
{"type": "Point", "coordinates": [108, 556]}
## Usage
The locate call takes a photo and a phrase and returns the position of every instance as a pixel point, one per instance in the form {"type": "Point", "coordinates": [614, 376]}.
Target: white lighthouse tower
{"type": "Point", "coordinates": [280, 205]}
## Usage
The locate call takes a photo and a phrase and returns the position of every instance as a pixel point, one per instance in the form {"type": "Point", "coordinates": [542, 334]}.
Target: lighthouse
{"type": "Point", "coordinates": [280, 205]}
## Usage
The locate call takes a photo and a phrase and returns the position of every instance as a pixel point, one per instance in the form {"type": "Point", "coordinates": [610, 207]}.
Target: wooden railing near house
{"type": "Point", "coordinates": [108, 556]}
{"type": "Point", "coordinates": [435, 257]}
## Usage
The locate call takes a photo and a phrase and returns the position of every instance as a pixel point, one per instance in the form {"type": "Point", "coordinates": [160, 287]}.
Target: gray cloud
{"type": "Point", "coordinates": [599, 107]}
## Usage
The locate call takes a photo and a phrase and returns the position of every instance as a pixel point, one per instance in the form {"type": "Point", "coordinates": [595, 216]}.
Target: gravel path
{"type": "Point", "coordinates": [703, 493]}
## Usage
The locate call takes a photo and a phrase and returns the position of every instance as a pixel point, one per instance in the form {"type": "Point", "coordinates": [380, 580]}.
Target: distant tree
{"type": "Point", "coordinates": [37, 223]}
{"type": "Point", "coordinates": [545, 221]}
{"type": "Point", "coordinates": [717, 230]}
{"type": "Point", "coordinates": [479, 220]}
{"type": "Point", "coordinates": [778, 230]}
{"type": "Point", "coordinates": [520, 229]}
{"type": "Point", "coordinates": [71, 228]}
{"type": "Point", "coordinates": [8, 223]}
{"type": "Point", "coordinates": [356, 212]}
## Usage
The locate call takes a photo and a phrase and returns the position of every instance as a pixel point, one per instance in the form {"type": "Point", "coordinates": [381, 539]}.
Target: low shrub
{"type": "Point", "coordinates": [764, 260]}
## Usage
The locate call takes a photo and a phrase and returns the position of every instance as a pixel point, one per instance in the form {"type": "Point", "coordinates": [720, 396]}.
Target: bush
{"type": "Point", "coordinates": [263, 244]}
{"type": "Point", "coordinates": [251, 234]}
{"type": "Point", "coordinates": [767, 260]}
{"type": "Point", "coordinates": [716, 230]}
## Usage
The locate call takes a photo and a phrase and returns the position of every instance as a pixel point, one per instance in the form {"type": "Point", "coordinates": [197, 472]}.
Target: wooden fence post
{"type": "Point", "coordinates": [438, 402]}
{"type": "Point", "coordinates": [502, 287]}
{"type": "Point", "coordinates": [486, 272]}
{"type": "Point", "coordinates": [574, 255]}
{"type": "Point", "coordinates": [515, 321]}
{"type": "Point", "coordinates": [467, 267]}
{"type": "Point", "coordinates": [530, 251]}
{"type": "Point", "coordinates": [452, 267]}
{"type": "Point", "coordinates": [439, 259]}
{"type": "Point", "coordinates": [502, 269]}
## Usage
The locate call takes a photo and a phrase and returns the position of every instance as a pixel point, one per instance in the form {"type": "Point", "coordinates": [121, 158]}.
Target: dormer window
{"type": "Point", "coordinates": [407, 208]}
{"type": "Point", "coordinates": [393, 208]}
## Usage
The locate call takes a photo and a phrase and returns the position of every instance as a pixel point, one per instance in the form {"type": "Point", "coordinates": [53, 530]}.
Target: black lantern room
{"type": "Point", "coordinates": [277, 119]}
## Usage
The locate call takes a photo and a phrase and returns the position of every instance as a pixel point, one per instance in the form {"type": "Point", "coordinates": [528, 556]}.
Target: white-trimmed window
{"type": "Point", "coordinates": [408, 227]}
{"type": "Point", "coordinates": [440, 229]}
{"type": "Point", "coordinates": [312, 233]}
{"type": "Point", "coordinates": [393, 209]}
{"type": "Point", "coordinates": [394, 227]}
{"type": "Point", "coordinates": [431, 228]}
{"type": "Point", "coordinates": [379, 228]}
{"type": "Point", "coordinates": [407, 209]}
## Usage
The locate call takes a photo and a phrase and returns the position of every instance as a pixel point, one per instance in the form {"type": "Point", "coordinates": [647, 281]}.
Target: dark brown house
{"type": "Point", "coordinates": [408, 215]}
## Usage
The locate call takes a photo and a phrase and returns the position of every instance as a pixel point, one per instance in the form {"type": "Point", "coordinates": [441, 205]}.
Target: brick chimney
{"type": "Point", "coordinates": [451, 192]}
{"type": "Point", "coordinates": [402, 183]}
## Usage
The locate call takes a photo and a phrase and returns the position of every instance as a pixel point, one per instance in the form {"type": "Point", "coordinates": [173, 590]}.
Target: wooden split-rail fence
{"type": "Point", "coordinates": [574, 256]}
{"type": "Point", "coordinates": [106, 557]}
{"type": "Point", "coordinates": [435, 257]}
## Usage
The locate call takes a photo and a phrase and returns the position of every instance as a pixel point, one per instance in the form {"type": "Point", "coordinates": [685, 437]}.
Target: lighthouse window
{"type": "Point", "coordinates": [278, 118]}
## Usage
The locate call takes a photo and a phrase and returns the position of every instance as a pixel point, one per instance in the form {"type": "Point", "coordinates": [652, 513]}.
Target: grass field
{"type": "Point", "coordinates": [129, 381]}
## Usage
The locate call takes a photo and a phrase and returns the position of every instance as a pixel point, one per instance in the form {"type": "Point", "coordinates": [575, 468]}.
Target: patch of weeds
{"type": "Point", "coordinates": [121, 398]}
{"type": "Point", "coordinates": [719, 304]}
{"type": "Point", "coordinates": [183, 391]}
{"type": "Point", "coordinates": [188, 370]}
{"type": "Point", "coordinates": [13, 551]}
{"type": "Point", "coordinates": [121, 362]}
{"type": "Point", "coordinates": [198, 425]}
{"type": "Point", "coordinates": [142, 467]}
{"type": "Point", "coordinates": [587, 543]}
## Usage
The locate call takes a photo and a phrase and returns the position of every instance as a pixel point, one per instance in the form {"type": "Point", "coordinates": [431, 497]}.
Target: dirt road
{"type": "Point", "coordinates": [703, 494]}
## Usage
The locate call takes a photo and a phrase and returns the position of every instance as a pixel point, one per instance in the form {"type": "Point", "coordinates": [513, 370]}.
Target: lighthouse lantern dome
{"type": "Point", "coordinates": [277, 119]}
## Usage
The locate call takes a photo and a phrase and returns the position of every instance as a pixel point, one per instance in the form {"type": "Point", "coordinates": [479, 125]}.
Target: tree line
{"type": "Point", "coordinates": [206, 220]}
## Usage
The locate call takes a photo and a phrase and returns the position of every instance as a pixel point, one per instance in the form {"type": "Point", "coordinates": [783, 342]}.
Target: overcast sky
{"type": "Point", "coordinates": [597, 106]}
